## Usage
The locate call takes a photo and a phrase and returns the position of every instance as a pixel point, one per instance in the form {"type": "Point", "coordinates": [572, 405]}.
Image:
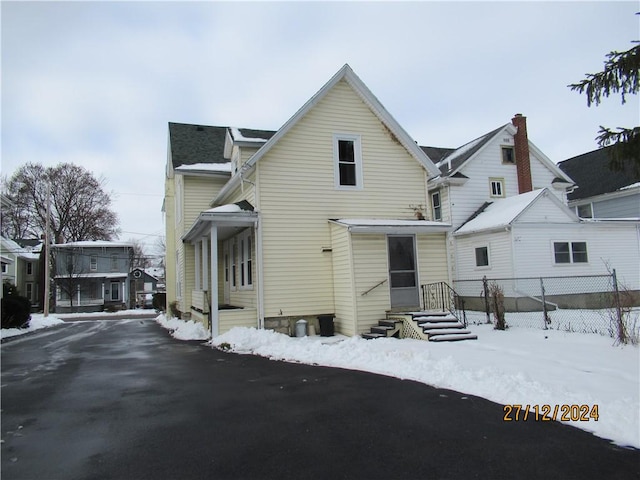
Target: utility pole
{"type": "Point", "coordinates": [47, 261]}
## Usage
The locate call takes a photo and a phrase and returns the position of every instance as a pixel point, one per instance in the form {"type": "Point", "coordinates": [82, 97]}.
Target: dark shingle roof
{"type": "Point", "coordinates": [437, 153]}
{"type": "Point", "coordinates": [192, 144]}
{"type": "Point", "coordinates": [593, 176]}
{"type": "Point", "coordinates": [441, 154]}
{"type": "Point", "coordinates": [196, 144]}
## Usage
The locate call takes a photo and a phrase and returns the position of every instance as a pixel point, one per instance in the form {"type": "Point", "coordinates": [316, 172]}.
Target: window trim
{"type": "Point", "coordinates": [475, 254]}
{"type": "Point", "coordinates": [436, 212]}
{"type": "Point", "coordinates": [245, 260]}
{"type": "Point", "coordinates": [357, 157]}
{"type": "Point", "coordinates": [577, 209]}
{"type": "Point", "coordinates": [502, 154]}
{"type": "Point", "coordinates": [497, 181]}
{"type": "Point", "coordinates": [572, 252]}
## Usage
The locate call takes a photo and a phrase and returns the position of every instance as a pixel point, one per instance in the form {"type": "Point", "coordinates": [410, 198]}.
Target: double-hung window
{"type": "Point", "coordinates": [246, 260]}
{"type": "Point", "coordinates": [570, 252]}
{"type": "Point", "coordinates": [93, 263]}
{"type": "Point", "coordinates": [347, 156]}
{"type": "Point", "coordinates": [436, 206]}
{"type": "Point", "coordinates": [508, 155]}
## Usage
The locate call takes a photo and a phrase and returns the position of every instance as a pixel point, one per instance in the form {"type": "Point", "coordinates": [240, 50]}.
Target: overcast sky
{"type": "Point", "coordinates": [96, 83]}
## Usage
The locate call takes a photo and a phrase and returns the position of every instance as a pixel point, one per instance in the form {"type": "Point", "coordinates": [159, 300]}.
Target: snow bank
{"type": "Point", "coordinates": [38, 321]}
{"type": "Point", "coordinates": [183, 330]}
{"type": "Point", "coordinates": [519, 366]}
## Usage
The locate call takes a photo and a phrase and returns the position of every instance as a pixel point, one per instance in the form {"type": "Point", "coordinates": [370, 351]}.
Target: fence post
{"type": "Point", "coordinates": [545, 314]}
{"type": "Point", "coordinates": [485, 286]}
{"type": "Point", "coordinates": [616, 294]}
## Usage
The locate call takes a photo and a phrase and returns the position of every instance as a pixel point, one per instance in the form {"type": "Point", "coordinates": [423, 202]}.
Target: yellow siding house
{"type": "Point", "coordinates": [325, 216]}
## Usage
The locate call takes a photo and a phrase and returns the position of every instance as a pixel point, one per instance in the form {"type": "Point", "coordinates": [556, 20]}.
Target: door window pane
{"type": "Point", "coordinates": [401, 253]}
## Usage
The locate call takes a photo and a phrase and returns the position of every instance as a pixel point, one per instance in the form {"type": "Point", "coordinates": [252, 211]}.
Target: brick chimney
{"type": "Point", "coordinates": [523, 163]}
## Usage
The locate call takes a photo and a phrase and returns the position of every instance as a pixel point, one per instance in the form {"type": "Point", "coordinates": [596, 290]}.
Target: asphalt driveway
{"type": "Point", "coordinates": [123, 400]}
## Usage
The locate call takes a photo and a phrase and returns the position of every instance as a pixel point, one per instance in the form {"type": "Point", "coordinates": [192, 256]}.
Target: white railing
{"type": "Point", "coordinates": [84, 302]}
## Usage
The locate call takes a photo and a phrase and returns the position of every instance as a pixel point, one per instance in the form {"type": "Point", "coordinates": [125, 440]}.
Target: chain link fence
{"type": "Point", "coordinates": [585, 304]}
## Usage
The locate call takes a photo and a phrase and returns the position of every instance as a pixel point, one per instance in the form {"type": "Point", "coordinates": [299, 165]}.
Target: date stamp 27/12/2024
{"type": "Point", "coordinates": [548, 413]}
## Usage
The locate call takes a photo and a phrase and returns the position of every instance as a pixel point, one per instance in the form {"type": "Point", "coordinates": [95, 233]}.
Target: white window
{"type": "Point", "coordinates": [496, 187]}
{"type": "Point", "coordinates": [436, 206]}
{"type": "Point", "coordinates": [94, 263]}
{"type": "Point", "coordinates": [570, 252]}
{"type": "Point", "coordinates": [114, 262]}
{"type": "Point", "coordinates": [29, 270]}
{"type": "Point", "coordinates": [4, 268]}
{"type": "Point", "coordinates": [246, 261]}
{"type": "Point", "coordinates": [234, 265]}
{"type": "Point", "coordinates": [347, 156]}
{"type": "Point", "coordinates": [29, 291]}
{"type": "Point", "coordinates": [584, 211]}
{"type": "Point", "coordinates": [482, 256]}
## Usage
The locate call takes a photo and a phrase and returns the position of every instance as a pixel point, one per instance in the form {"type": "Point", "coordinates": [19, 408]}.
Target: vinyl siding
{"type": "Point", "coordinates": [500, 256]}
{"type": "Point", "coordinates": [621, 207]}
{"type": "Point", "coordinates": [343, 281]}
{"type": "Point", "coordinates": [298, 196]}
{"type": "Point", "coordinates": [466, 199]}
{"type": "Point", "coordinates": [370, 268]}
{"type": "Point", "coordinates": [545, 210]}
{"type": "Point", "coordinates": [432, 258]}
{"type": "Point", "coordinates": [608, 246]}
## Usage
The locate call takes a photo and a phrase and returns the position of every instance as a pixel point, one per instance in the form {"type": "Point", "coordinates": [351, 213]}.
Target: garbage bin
{"type": "Point", "coordinates": [301, 328]}
{"type": "Point", "coordinates": [326, 325]}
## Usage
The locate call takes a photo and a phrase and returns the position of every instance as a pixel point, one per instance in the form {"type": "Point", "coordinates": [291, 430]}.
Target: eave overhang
{"type": "Point", "coordinates": [392, 227]}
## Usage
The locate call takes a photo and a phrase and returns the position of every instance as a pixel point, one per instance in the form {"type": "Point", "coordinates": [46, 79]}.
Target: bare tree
{"type": "Point", "coordinates": [80, 207]}
{"type": "Point", "coordinates": [71, 269]}
{"type": "Point", "coordinates": [138, 258]}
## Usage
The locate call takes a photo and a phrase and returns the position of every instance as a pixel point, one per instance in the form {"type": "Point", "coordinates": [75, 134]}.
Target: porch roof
{"type": "Point", "coordinates": [391, 226]}
{"type": "Point", "coordinates": [230, 219]}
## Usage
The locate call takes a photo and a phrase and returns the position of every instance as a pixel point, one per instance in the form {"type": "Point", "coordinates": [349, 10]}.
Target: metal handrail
{"type": "Point", "coordinates": [440, 296]}
{"type": "Point", "coordinates": [374, 287]}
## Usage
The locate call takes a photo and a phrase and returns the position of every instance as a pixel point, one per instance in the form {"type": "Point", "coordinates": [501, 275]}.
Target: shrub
{"type": "Point", "coordinates": [173, 309]}
{"type": "Point", "coordinates": [16, 311]}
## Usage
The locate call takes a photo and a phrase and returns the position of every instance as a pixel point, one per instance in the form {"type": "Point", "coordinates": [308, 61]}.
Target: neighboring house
{"type": "Point", "coordinates": [501, 164]}
{"type": "Point", "coordinates": [323, 217]}
{"type": "Point", "coordinates": [143, 285]}
{"type": "Point", "coordinates": [21, 267]}
{"type": "Point", "coordinates": [92, 276]}
{"type": "Point", "coordinates": [536, 235]}
{"type": "Point", "coordinates": [600, 191]}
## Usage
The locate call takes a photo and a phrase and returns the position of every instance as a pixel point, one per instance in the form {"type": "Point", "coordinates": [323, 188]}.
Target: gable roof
{"type": "Point", "coordinates": [456, 158]}
{"type": "Point", "coordinates": [347, 74]}
{"type": "Point", "coordinates": [594, 177]}
{"type": "Point", "coordinates": [192, 144]}
{"type": "Point", "coordinates": [504, 212]}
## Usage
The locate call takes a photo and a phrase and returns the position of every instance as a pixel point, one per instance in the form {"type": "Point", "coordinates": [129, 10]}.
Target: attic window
{"type": "Point", "coordinates": [508, 155]}
{"type": "Point", "coordinates": [497, 187]}
{"type": "Point", "coordinates": [347, 159]}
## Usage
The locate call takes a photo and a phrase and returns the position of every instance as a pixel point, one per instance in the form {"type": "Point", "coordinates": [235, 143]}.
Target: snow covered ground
{"type": "Point", "coordinates": [519, 366]}
{"type": "Point", "coordinates": [38, 321]}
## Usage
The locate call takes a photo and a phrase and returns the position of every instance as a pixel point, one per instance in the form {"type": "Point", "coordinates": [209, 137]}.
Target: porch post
{"type": "Point", "coordinates": [197, 248]}
{"type": "Point", "coordinates": [205, 265]}
{"type": "Point", "coordinates": [214, 281]}
{"type": "Point", "coordinates": [78, 287]}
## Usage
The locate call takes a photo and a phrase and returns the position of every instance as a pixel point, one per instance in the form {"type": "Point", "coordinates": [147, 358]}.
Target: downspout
{"type": "Point", "coordinates": [259, 251]}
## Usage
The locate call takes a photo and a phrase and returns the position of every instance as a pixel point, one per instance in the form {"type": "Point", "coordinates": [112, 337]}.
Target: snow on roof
{"type": "Point", "coordinates": [239, 137]}
{"type": "Point", "coordinates": [501, 212]}
{"type": "Point", "coordinates": [629, 187]}
{"type": "Point", "coordinates": [460, 151]}
{"type": "Point", "coordinates": [94, 243]}
{"type": "Point", "coordinates": [205, 167]}
{"type": "Point", "coordinates": [377, 222]}
{"type": "Point", "coordinates": [230, 208]}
